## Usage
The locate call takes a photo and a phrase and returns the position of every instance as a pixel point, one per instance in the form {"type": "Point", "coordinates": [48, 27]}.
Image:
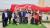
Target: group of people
{"type": "Point", "coordinates": [22, 16]}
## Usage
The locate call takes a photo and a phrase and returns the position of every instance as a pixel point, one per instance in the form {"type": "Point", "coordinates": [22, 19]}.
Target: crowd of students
{"type": "Point", "coordinates": [23, 16]}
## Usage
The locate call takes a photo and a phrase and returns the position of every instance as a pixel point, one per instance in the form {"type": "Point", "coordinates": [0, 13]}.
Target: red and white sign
{"type": "Point", "coordinates": [29, 6]}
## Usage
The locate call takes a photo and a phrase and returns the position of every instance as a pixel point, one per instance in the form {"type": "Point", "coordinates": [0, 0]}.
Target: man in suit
{"type": "Point", "coordinates": [9, 15]}
{"type": "Point", "coordinates": [4, 18]}
{"type": "Point", "coordinates": [20, 17]}
{"type": "Point", "coordinates": [22, 14]}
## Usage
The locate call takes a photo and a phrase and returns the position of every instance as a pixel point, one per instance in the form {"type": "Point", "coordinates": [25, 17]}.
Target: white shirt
{"type": "Point", "coordinates": [27, 15]}
{"type": "Point", "coordinates": [6, 15]}
{"type": "Point", "coordinates": [13, 15]}
{"type": "Point", "coordinates": [22, 13]}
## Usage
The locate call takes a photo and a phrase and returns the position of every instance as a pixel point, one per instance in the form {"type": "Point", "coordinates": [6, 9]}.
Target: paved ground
{"type": "Point", "coordinates": [47, 25]}
{"type": "Point", "coordinates": [0, 17]}
{"type": "Point", "coordinates": [1, 25]}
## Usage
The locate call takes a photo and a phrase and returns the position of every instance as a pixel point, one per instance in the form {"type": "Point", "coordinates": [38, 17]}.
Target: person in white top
{"type": "Point", "coordinates": [29, 17]}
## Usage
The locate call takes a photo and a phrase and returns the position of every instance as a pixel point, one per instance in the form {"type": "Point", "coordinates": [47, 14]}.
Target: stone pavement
{"type": "Point", "coordinates": [47, 25]}
{"type": "Point", "coordinates": [1, 25]}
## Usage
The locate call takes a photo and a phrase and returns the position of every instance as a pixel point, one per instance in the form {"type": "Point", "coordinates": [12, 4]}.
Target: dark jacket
{"type": "Point", "coordinates": [15, 17]}
{"type": "Point", "coordinates": [9, 14]}
{"type": "Point", "coordinates": [3, 16]}
{"type": "Point", "coordinates": [20, 15]}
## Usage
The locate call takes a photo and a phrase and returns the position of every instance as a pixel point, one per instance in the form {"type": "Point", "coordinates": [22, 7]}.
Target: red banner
{"type": "Point", "coordinates": [28, 6]}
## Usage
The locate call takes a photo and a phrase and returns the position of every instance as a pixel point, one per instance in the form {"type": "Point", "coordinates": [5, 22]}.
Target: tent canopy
{"type": "Point", "coordinates": [27, 6]}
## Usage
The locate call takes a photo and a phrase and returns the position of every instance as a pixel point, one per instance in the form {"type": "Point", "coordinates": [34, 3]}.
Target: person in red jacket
{"type": "Point", "coordinates": [36, 18]}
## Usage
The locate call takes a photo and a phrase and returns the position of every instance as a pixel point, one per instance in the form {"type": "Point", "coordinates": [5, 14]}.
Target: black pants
{"type": "Point", "coordinates": [5, 22]}
{"type": "Point", "coordinates": [32, 21]}
{"type": "Point", "coordinates": [21, 20]}
{"type": "Point", "coordinates": [14, 22]}
{"type": "Point", "coordinates": [9, 20]}
{"type": "Point", "coordinates": [25, 20]}
{"type": "Point", "coordinates": [40, 21]}
{"type": "Point", "coordinates": [40, 18]}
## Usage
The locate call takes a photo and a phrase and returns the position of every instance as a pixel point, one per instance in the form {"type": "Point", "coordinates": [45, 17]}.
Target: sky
{"type": "Point", "coordinates": [7, 3]}
{"type": "Point", "coordinates": [47, 3]}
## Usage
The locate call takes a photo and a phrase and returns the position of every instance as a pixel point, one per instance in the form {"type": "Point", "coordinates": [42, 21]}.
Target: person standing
{"type": "Point", "coordinates": [9, 15]}
{"type": "Point", "coordinates": [20, 17]}
{"type": "Point", "coordinates": [28, 15]}
{"type": "Point", "coordinates": [14, 19]}
{"type": "Point", "coordinates": [36, 18]}
{"type": "Point", "coordinates": [40, 17]}
{"type": "Point", "coordinates": [5, 18]}
{"type": "Point", "coordinates": [24, 14]}
{"type": "Point", "coordinates": [32, 19]}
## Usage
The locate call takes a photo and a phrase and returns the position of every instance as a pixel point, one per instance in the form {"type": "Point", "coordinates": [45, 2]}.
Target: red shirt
{"type": "Point", "coordinates": [36, 16]}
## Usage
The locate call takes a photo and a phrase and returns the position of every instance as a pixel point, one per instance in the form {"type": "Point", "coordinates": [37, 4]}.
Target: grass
{"type": "Point", "coordinates": [25, 26]}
